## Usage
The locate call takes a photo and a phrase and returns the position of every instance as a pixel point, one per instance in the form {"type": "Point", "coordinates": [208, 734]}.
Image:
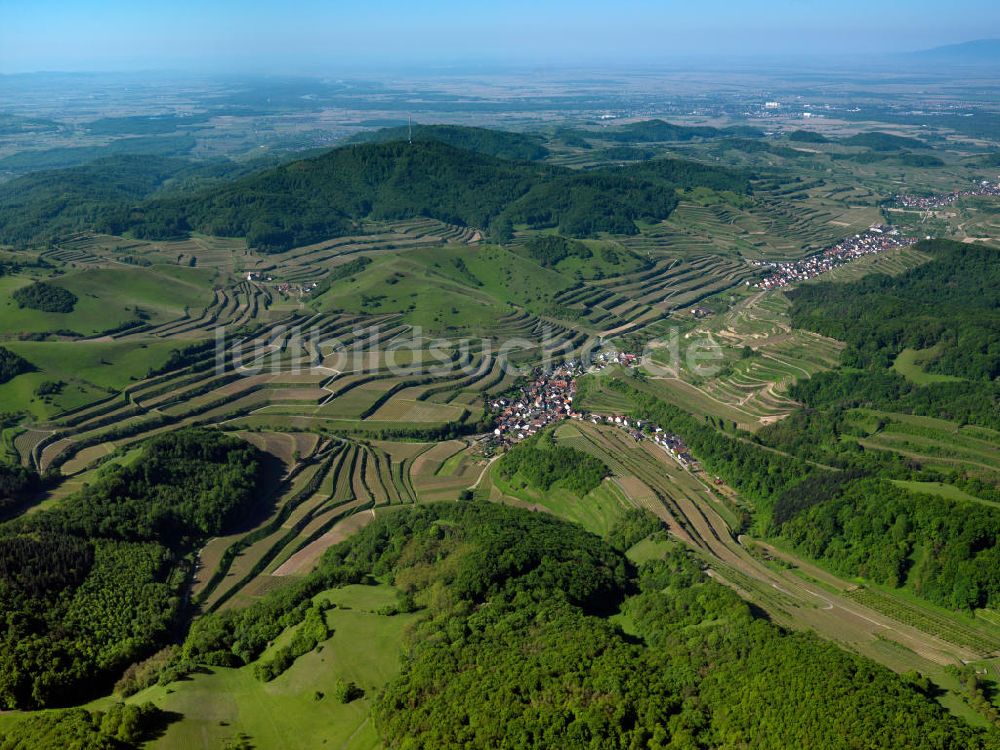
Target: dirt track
{"type": "Point", "coordinates": [801, 596]}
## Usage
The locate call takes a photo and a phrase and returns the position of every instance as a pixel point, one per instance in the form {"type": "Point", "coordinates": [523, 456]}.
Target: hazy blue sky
{"type": "Point", "coordinates": [299, 34]}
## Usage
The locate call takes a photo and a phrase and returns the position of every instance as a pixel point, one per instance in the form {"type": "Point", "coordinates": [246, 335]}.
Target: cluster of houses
{"type": "Point", "coordinates": [548, 398]}
{"type": "Point", "coordinates": [607, 358]}
{"type": "Point", "coordinates": [877, 239]}
{"type": "Point", "coordinates": [933, 202]}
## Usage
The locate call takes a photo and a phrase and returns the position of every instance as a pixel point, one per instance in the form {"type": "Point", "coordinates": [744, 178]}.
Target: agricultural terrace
{"type": "Point", "coordinates": [703, 513]}
{"type": "Point", "coordinates": [362, 367]}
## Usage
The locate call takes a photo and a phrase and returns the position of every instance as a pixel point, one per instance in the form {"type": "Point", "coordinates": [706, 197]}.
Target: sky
{"type": "Point", "coordinates": [301, 35]}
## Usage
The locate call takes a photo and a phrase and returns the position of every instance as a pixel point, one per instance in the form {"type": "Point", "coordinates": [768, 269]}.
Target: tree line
{"type": "Point", "coordinates": [539, 463]}
{"type": "Point", "coordinates": [93, 584]}
{"type": "Point", "coordinates": [516, 649]}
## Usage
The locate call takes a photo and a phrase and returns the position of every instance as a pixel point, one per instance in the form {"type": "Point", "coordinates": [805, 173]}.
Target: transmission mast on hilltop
{"type": "Point", "coordinates": [409, 130]}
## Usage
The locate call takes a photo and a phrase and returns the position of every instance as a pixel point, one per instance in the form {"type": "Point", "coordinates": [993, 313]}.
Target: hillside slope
{"type": "Point", "coordinates": [499, 143]}
{"type": "Point", "coordinates": [314, 199]}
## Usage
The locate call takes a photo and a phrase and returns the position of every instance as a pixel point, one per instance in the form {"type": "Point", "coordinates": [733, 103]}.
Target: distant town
{"type": "Point", "coordinates": [933, 202]}
{"type": "Point", "coordinates": [877, 239]}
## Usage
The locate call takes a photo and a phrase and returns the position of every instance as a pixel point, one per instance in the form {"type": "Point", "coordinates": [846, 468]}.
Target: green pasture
{"type": "Point", "coordinates": [89, 369]}
{"type": "Point", "coordinates": [107, 297]}
{"type": "Point", "coordinates": [596, 511]}
{"type": "Point", "coordinates": [286, 713]}
{"type": "Point", "coordinates": [910, 364]}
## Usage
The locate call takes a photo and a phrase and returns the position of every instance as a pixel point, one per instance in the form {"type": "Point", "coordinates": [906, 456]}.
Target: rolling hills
{"type": "Point", "coordinates": [328, 195]}
{"type": "Point", "coordinates": [364, 562]}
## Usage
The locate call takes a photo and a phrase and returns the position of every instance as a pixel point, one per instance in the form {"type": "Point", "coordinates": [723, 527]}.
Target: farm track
{"type": "Point", "coordinates": [693, 517]}
{"type": "Point", "coordinates": [324, 497]}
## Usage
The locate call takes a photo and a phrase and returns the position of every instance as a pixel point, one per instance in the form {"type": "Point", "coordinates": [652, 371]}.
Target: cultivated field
{"type": "Point", "coordinates": [800, 595]}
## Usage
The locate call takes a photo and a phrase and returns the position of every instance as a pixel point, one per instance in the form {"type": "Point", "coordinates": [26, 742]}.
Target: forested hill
{"type": "Point", "coordinates": [93, 585]}
{"type": "Point", "coordinates": [56, 200]}
{"type": "Point", "coordinates": [658, 131]}
{"type": "Point", "coordinates": [516, 650]}
{"type": "Point", "coordinates": [952, 303]}
{"type": "Point", "coordinates": [44, 204]}
{"type": "Point", "coordinates": [500, 143]}
{"type": "Point", "coordinates": [314, 199]}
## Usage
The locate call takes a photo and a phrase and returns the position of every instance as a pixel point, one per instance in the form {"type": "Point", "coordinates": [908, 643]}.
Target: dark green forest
{"type": "Point", "coordinates": [949, 307]}
{"type": "Point", "coordinates": [16, 482]}
{"type": "Point", "coordinates": [121, 727]}
{"type": "Point", "coordinates": [45, 297]}
{"type": "Point", "coordinates": [540, 464]}
{"type": "Point", "coordinates": [92, 584]}
{"type": "Point", "coordinates": [944, 550]}
{"type": "Point", "coordinates": [12, 365]}
{"type": "Point", "coordinates": [500, 143]}
{"type": "Point", "coordinates": [548, 250]}
{"type": "Point", "coordinates": [43, 205]}
{"type": "Point", "coordinates": [952, 302]}
{"type": "Point", "coordinates": [326, 196]}
{"type": "Point", "coordinates": [516, 648]}
{"type": "Point", "coordinates": [965, 402]}
{"type": "Point", "coordinates": [317, 198]}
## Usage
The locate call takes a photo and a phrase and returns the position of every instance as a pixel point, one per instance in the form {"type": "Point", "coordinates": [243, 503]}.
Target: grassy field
{"type": "Point", "coordinates": [939, 489]}
{"type": "Point", "coordinates": [596, 511]}
{"type": "Point", "coordinates": [285, 713]}
{"type": "Point", "coordinates": [420, 285]}
{"type": "Point", "coordinates": [107, 297]}
{"type": "Point", "coordinates": [910, 364]}
{"type": "Point", "coordinates": [89, 369]}
{"type": "Point", "coordinates": [649, 549]}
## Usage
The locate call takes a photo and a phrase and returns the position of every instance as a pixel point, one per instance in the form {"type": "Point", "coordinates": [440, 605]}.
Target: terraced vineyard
{"type": "Point", "coordinates": [944, 626]}
{"type": "Point", "coordinates": [334, 489]}
{"type": "Point", "coordinates": [313, 373]}
{"type": "Point", "coordinates": [762, 356]}
{"type": "Point", "coordinates": [934, 442]}
{"type": "Point", "coordinates": [312, 263]}
{"type": "Point", "coordinates": [367, 390]}
{"type": "Point", "coordinates": [766, 226]}
{"type": "Point", "coordinates": [223, 254]}
{"type": "Point", "coordinates": [696, 513]}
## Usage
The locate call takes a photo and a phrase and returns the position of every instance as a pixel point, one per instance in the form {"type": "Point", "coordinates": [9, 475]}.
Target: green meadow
{"type": "Point", "coordinates": [297, 710]}
{"type": "Point", "coordinates": [447, 287]}
{"type": "Point", "coordinates": [108, 297]}
{"type": "Point", "coordinates": [910, 364]}
{"type": "Point", "coordinates": [88, 369]}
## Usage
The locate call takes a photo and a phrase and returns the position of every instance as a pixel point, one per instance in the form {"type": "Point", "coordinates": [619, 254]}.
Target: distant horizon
{"type": "Point", "coordinates": [299, 36]}
{"type": "Point", "coordinates": [898, 61]}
